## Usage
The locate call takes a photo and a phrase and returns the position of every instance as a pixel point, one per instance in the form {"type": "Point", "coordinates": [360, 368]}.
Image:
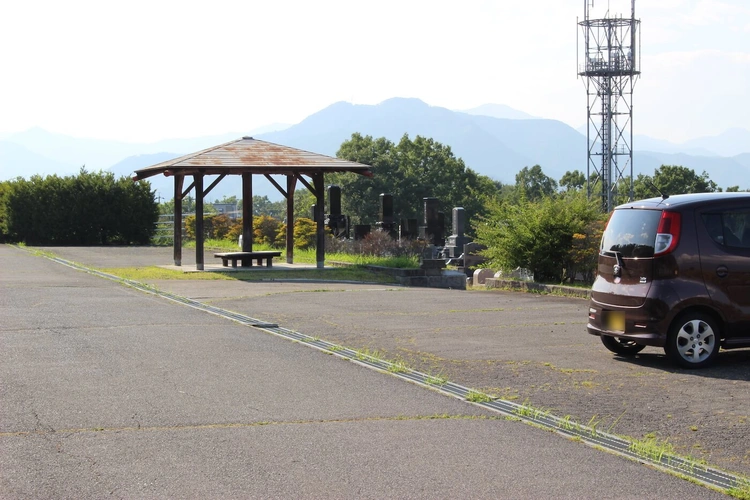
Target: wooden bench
{"type": "Point", "coordinates": [246, 258]}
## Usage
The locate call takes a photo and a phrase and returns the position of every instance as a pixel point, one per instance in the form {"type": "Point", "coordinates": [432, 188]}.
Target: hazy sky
{"type": "Point", "coordinates": [148, 70]}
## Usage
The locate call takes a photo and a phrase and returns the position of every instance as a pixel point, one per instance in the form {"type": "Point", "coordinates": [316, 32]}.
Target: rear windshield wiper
{"type": "Point", "coordinates": [616, 255]}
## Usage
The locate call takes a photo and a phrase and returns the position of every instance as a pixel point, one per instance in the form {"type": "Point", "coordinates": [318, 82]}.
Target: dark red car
{"type": "Point", "coordinates": [675, 273]}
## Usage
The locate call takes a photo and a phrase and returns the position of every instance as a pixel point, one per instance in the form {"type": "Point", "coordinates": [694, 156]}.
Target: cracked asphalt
{"type": "Point", "coordinates": [109, 391]}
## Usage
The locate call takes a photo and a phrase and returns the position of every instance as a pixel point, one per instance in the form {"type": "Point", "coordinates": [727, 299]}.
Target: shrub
{"type": "Point", "coordinates": [305, 233]}
{"type": "Point", "coordinates": [235, 230]}
{"type": "Point", "coordinates": [87, 209]}
{"type": "Point", "coordinates": [266, 230]}
{"type": "Point", "coordinates": [539, 236]}
{"type": "Point", "coordinates": [583, 254]}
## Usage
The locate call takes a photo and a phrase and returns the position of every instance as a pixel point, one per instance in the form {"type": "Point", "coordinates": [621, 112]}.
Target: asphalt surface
{"type": "Point", "coordinates": [109, 391]}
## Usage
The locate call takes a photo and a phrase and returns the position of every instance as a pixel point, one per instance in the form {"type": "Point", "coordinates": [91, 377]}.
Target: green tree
{"type": "Point", "coordinates": [670, 180]}
{"type": "Point", "coordinates": [5, 187]}
{"type": "Point", "coordinates": [303, 202]}
{"type": "Point", "coordinates": [410, 171]}
{"type": "Point", "coordinates": [263, 206]}
{"type": "Point", "coordinates": [532, 183]}
{"type": "Point", "coordinates": [538, 236]}
{"type": "Point", "coordinates": [228, 199]}
{"type": "Point", "coordinates": [573, 181]}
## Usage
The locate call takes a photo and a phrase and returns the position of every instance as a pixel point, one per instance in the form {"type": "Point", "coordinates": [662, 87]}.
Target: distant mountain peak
{"type": "Point", "coordinates": [499, 111]}
{"type": "Point", "coordinates": [404, 101]}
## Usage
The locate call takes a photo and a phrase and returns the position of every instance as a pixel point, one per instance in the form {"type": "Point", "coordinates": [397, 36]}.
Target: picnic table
{"type": "Point", "coordinates": [246, 258]}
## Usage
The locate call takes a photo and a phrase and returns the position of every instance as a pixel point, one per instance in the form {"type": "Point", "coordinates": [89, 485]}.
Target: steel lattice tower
{"type": "Point", "coordinates": [610, 68]}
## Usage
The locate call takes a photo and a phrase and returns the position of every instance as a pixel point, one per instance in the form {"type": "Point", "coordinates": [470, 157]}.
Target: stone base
{"type": "Point", "coordinates": [527, 286]}
{"type": "Point", "coordinates": [453, 280]}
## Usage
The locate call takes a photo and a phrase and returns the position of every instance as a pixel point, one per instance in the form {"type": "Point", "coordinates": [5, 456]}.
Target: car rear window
{"type": "Point", "coordinates": [631, 232]}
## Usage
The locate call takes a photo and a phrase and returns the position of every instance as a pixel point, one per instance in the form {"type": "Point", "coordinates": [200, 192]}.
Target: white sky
{"type": "Point", "coordinates": [148, 70]}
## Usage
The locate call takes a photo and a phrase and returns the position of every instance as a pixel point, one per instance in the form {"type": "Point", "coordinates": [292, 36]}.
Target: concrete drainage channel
{"type": "Point", "coordinates": [652, 455]}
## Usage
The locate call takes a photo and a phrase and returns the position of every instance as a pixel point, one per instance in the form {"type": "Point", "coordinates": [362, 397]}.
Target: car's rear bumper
{"type": "Point", "coordinates": [640, 324]}
{"type": "Point", "coordinates": [640, 337]}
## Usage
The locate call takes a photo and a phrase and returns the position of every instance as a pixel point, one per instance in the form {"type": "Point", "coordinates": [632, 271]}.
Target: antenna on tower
{"type": "Point", "coordinates": [610, 69]}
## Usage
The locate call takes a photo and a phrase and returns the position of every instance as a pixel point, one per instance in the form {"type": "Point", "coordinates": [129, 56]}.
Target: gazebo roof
{"type": "Point", "coordinates": [252, 156]}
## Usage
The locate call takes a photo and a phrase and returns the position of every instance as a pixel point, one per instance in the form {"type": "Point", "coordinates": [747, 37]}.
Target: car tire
{"type": "Point", "coordinates": [693, 340]}
{"type": "Point", "coordinates": [621, 347]}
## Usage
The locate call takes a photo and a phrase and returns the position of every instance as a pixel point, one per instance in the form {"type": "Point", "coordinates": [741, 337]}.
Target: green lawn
{"type": "Point", "coordinates": [153, 273]}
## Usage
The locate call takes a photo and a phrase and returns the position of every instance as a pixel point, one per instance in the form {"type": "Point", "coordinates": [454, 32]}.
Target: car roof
{"type": "Point", "coordinates": [684, 200]}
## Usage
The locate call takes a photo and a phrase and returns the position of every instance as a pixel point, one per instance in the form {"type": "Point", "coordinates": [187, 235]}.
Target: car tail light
{"type": "Point", "coordinates": [668, 233]}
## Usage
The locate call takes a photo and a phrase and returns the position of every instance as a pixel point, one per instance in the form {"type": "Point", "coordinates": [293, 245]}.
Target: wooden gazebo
{"type": "Point", "coordinates": [248, 157]}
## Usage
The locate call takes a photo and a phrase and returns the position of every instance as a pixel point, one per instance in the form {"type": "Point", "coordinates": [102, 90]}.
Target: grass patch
{"type": "Point", "coordinates": [740, 490]}
{"type": "Point", "coordinates": [309, 255]}
{"type": "Point", "coordinates": [652, 448]}
{"type": "Point", "coordinates": [438, 379]}
{"type": "Point", "coordinates": [477, 397]}
{"type": "Point", "coordinates": [368, 355]}
{"type": "Point", "coordinates": [151, 273]}
{"type": "Point", "coordinates": [398, 366]}
{"type": "Point", "coordinates": [528, 411]}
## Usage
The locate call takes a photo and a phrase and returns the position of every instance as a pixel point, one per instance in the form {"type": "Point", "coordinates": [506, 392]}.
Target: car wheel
{"type": "Point", "coordinates": [623, 347]}
{"type": "Point", "coordinates": [693, 340]}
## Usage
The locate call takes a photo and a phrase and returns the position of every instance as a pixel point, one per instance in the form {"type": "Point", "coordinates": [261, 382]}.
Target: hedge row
{"type": "Point", "coordinates": [87, 209]}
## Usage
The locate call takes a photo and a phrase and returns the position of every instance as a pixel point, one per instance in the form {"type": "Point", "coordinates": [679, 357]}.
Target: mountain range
{"type": "Point", "coordinates": [494, 140]}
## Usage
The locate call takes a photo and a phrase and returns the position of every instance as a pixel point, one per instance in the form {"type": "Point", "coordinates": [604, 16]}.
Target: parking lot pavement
{"type": "Point", "coordinates": [107, 390]}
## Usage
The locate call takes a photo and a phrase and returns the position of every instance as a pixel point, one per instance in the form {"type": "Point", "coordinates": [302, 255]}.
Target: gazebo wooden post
{"type": "Point", "coordinates": [247, 213]}
{"type": "Point", "coordinates": [291, 182]}
{"type": "Point", "coordinates": [177, 220]}
{"type": "Point", "coordinates": [198, 178]}
{"type": "Point", "coordinates": [320, 240]}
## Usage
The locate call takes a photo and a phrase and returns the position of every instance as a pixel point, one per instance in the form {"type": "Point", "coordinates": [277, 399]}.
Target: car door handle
{"type": "Point", "coordinates": [722, 271]}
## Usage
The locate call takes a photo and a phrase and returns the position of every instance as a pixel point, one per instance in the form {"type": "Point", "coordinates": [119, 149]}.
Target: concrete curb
{"type": "Point", "coordinates": [530, 286]}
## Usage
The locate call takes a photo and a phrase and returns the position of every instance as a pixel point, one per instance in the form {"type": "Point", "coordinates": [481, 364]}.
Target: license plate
{"type": "Point", "coordinates": [614, 321]}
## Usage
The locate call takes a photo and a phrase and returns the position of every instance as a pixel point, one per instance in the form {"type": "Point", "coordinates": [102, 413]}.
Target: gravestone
{"type": "Point", "coordinates": [337, 223]}
{"type": "Point", "coordinates": [481, 275]}
{"type": "Point", "coordinates": [387, 222]}
{"type": "Point", "coordinates": [361, 230]}
{"type": "Point", "coordinates": [454, 246]}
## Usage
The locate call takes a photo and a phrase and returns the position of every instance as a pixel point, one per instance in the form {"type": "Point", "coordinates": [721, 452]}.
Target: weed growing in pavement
{"type": "Point", "coordinates": [477, 397]}
{"type": "Point", "coordinates": [652, 448]}
{"type": "Point", "coordinates": [567, 423]}
{"type": "Point", "coordinates": [336, 348]}
{"type": "Point", "coordinates": [528, 411]}
{"type": "Point", "coordinates": [398, 366]}
{"type": "Point", "coordinates": [367, 355]}
{"type": "Point", "coordinates": [38, 252]}
{"type": "Point", "coordinates": [741, 489]}
{"type": "Point", "coordinates": [615, 422]}
{"type": "Point", "coordinates": [525, 410]}
{"type": "Point", "coordinates": [438, 379]}
{"type": "Point", "coordinates": [592, 425]}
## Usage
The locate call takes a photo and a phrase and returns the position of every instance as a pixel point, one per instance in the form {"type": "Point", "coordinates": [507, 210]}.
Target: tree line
{"type": "Point", "coordinates": [86, 209]}
{"type": "Point", "coordinates": [551, 227]}
{"type": "Point", "coordinates": [548, 226]}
